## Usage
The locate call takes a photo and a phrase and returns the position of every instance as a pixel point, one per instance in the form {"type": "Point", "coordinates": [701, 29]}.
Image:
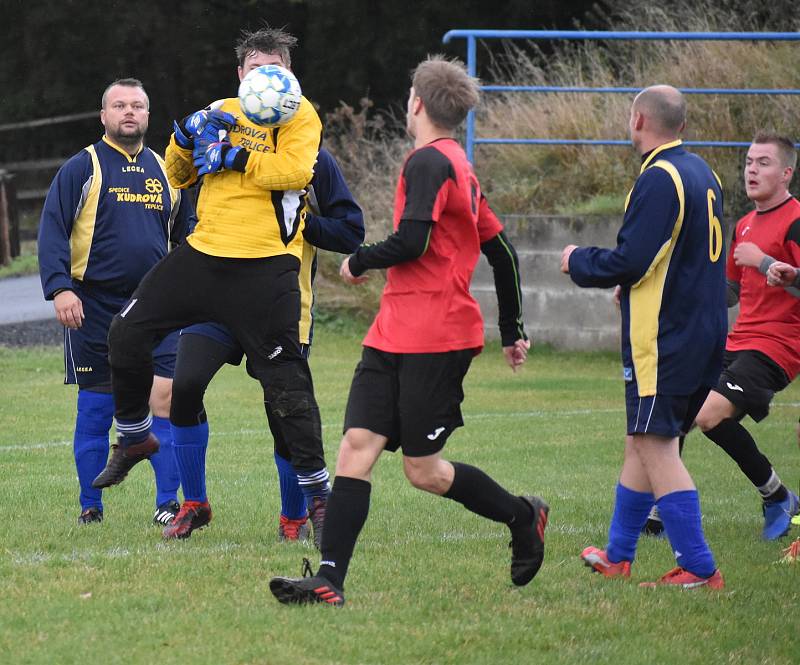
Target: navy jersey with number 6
{"type": "Point", "coordinates": [670, 264]}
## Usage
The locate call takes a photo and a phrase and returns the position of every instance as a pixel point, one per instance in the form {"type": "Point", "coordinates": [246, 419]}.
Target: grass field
{"type": "Point", "coordinates": [429, 582]}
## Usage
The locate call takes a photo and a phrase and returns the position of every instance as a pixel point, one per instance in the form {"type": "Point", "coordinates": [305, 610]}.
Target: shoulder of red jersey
{"type": "Point", "coordinates": [430, 160]}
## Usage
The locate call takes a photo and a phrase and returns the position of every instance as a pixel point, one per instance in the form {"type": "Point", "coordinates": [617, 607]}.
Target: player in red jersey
{"type": "Point", "coordinates": [407, 389]}
{"type": "Point", "coordinates": [761, 355]}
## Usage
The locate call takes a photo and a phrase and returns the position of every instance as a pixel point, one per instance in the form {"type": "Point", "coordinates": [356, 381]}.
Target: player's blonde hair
{"type": "Point", "coordinates": [447, 91]}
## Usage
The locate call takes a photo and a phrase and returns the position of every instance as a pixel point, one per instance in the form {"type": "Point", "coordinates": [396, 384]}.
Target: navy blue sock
{"type": "Point", "coordinates": [631, 509]}
{"type": "Point", "coordinates": [680, 512]}
{"type": "Point", "coordinates": [133, 431]}
{"type": "Point", "coordinates": [314, 483]}
{"type": "Point", "coordinates": [191, 444]}
{"type": "Point", "coordinates": [90, 442]}
{"type": "Point", "coordinates": [163, 462]}
{"type": "Point", "coordinates": [293, 501]}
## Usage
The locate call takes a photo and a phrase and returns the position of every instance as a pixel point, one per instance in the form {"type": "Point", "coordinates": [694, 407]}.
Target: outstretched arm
{"type": "Point", "coordinates": [409, 242]}
{"type": "Point", "coordinates": [643, 240]}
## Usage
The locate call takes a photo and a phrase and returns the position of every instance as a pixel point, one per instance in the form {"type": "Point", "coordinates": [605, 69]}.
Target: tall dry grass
{"type": "Point", "coordinates": [568, 178]}
{"type": "Point", "coordinates": [370, 148]}
{"type": "Point", "coordinates": [573, 179]}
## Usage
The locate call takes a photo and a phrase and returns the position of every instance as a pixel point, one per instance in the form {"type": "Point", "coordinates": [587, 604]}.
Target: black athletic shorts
{"type": "Point", "coordinates": [749, 380]}
{"type": "Point", "coordinates": [413, 399]}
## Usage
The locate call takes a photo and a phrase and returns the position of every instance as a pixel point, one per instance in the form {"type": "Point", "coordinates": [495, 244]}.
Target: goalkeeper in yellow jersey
{"type": "Point", "coordinates": [239, 268]}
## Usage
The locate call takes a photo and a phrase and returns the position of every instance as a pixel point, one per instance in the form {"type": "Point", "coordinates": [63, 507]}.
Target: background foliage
{"type": "Point", "coordinates": [58, 57]}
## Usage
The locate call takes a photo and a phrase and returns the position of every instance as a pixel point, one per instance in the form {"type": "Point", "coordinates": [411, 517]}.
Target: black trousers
{"type": "Point", "coordinates": [199, 359]}
{"type": "Point", "coordinates": [258, 300]}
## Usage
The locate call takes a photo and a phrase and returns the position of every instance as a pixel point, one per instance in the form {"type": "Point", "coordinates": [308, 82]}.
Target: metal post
{"type": "Point", "coordinates": [471, 69]}
{"type": "Point", "coordinates": [5, 222]}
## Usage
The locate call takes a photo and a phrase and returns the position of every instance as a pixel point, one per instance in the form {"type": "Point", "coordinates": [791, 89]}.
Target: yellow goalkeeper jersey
{"type": "Point", "coordinates": [259, 212]}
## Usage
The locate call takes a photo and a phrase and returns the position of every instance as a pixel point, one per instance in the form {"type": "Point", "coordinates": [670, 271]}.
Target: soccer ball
{"type": "Point", "coordinates": [269, 95]}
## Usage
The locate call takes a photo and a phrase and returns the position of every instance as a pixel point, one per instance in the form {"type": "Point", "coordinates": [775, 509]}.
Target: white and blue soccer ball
{"type": "Point", "coordinates": [269, 95]}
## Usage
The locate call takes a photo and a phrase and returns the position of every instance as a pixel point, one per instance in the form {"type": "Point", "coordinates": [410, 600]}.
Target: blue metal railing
{"type": "Point", "coordinates": [473, 35]}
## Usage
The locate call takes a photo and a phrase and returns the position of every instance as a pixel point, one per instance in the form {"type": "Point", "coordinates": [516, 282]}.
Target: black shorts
{"type": "Point", "coordinates": [258, 300]}
{"type": "Point", "coordinates": [413, 399]}
{"type": "Point", "coordinates": [750, 380]}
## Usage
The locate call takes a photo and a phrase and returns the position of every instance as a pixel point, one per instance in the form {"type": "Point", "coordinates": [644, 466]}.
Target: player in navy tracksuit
{"type": "Point", "coordinates": [670, 264]}
{"type": "Point", "coordinates": [108, 218]}
{"type": "Point", "coordinates": [333, 222]}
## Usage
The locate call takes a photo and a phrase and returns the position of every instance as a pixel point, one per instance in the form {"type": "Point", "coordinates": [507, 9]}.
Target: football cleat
{"type": "Point", "coordinates": [527, 543]}
{"type": "Point", "coordinates": [166, 513]}
{"type": "Point", "coordinates": [293, 530]}
{"type": "Point", "coordinates": [796, 520]}
{"type": "Point", "coordinates": [192, 515]}
{"type": "Point", "coordinates": [123, 459]}
{"type": "Point", "coordinates": [91, 514]}
{"type": "Point", "coordinates": [306, 590]}
{"type": "Point", "coordinates": [682, 578]}
{"type": "Point", "coordinates": [778, 516]}
{"type": "Point", "coordinates": [316, 514]}
{"type": "Point", "coordinates": [597, 560]}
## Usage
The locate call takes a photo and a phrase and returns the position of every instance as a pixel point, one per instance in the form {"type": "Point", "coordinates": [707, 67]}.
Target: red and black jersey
{"type": "Point", "coordinates": [426, 305]}
{"type": "Point", "coordinates": [769, 317]}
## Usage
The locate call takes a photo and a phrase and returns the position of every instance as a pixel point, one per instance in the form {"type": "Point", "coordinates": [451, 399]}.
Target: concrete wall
{"type": "Point", "coordinates": [556, 311]}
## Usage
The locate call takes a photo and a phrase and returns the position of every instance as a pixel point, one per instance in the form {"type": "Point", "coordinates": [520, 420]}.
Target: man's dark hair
{"type": "Point", "coordinates": [266, 40]}
{"type": "Point", "coordinates": [447, 91]}
{"type": "Point", "coordinates": [129, 82]}
{"type": "Point", "coordinates": [785, 145]}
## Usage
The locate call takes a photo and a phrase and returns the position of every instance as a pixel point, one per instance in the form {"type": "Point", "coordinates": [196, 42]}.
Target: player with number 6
{"type": "Point", "coordinates": [668, 263]}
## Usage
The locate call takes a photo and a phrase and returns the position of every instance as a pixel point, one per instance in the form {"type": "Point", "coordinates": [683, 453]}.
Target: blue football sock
{"type": "Point", "coordinates": [191, 444]}
{"type": "Point", "coordinates": [314, 483]}
{"type": "Point", "coordinates": [630, 515]}
{"type": "Point", "coordinates": [293, 501]}
{"type": "Point", "coordinates": [90, 442]}
{"type": "Point", "coordinates": [163, 462]}
{"type": "Point", "coordinates": [680, 512]}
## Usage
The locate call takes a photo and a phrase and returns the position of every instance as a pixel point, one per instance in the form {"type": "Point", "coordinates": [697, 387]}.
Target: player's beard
{"type": "Point", "coordinates": [128, 137]}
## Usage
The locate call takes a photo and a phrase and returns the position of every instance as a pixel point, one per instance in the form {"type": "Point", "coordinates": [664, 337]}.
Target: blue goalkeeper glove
{"type": "Point", "coordinates": [216, 157]}
{"type": "Point", "coordinates": [202, 127]}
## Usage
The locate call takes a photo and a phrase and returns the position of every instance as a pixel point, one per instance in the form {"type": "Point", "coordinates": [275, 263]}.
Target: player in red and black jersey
{"type": "Point", "coordinates": [761, 355]}
{"type": "Point", "coordinates": [407, 389]}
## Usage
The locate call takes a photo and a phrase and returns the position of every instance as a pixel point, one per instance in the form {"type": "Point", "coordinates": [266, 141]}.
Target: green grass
{"type": "Point", "coordinates": [429, 581]}
{"type": "Point", "coordinates": [602, 204]}
{"type": "Point", "coordinates": [27, 263]}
